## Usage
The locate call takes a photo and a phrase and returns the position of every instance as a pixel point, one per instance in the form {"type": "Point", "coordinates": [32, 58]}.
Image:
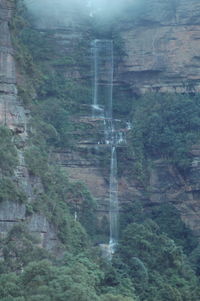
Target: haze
{"type": "Point", "coordinates": [65, 11]}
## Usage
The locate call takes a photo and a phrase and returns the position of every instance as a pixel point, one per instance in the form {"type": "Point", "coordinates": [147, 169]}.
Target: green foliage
{"type": "Point", "coordinates": [148, 262]}
{"type": "Point", "coordinates": [53, 97]}
{"type": "Point", "coordinates": [19, 248]}
{"type": "Point", "coordinates": [41, 280]}
{"type": "Point", "coordinates": [132, 212]}
{"type": "Point", "coordinates": [36, 160]}
{"type": "Point", "coordinates": [165, 215]}
{"type": "Point", "coordinates": [195, 259]}
{"type": "Point", "coordinates": [51, 123]}
{"type": "Point", "coordinates": [84, 205]}
{"type": "Point", "coordinates": [31, 75]}
{"type": "Point", "coordinates": [9, 191]}
{"type": "Point", "coordinates": [109, 297]}
{"type": "Point", "coordinates": [165, 126]}
{"type": "Point", "coordinates": [116, 281]}
{"type": "Point", "coordinates": [9, 288]}
{"type": "Point", "coordinates": [156, 265]}
{"type": "Point", "coordinates": [53, 201]}
{"type": "Point", "coordinates": [144, 240]}
{"type": "Point", "coordinates": [8, 153]}
{"type": "Point", "coordinates": [121, 95]}
{"type": "Point", "coordinates": [169, 221]}
{"type": "Point", "coordinates": [53, 204]}
{"type": "Point", "coordinates": [50, 94]}
{"type": "Point", "coordinates": [102, 230]}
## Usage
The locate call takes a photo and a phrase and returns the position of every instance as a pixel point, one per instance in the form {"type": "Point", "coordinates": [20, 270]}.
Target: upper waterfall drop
{"type": "Point", "coordinates": [102, 70]}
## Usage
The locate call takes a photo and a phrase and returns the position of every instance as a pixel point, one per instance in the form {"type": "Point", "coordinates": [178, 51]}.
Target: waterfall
{"type": "Point", "coordinates": [95, 52]}
{"type": "Point", "coordinates": [102, 67]}
{"type": "Point", "coordinates": [114, 207]}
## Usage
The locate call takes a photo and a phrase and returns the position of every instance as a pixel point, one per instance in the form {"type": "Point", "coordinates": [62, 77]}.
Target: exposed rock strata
{"type": "Point", "coordinates": [162, 44]}
{"type": "Point", "coordinates": [163, 54]}
{"type": "Point", "coordinates": [168, 186]}
{"type": "Point", "coordinates": [13, 114]}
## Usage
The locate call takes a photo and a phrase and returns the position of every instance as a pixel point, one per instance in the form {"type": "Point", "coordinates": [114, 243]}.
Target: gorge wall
{"type": "Point", "coordinates": [162, 47]}
{"type": "Point", "coordinates": [15, 116]}
{"type": "Point", "coordinates": [162, 54]}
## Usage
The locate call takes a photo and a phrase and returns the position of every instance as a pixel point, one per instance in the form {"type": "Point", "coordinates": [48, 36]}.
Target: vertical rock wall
{"type": "Point", "coordinates": [162, 55]}
{"type": "Point", "coordinates": [12, 112]}
{"type": "Point", "coordinates": [161, 42]}
{"type": "Point", "coordinates": [14, 115]}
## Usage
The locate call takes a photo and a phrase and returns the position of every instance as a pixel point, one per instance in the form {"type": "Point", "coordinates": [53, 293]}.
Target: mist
{"type": "Point", "coordinates": [68, 12]}
{"type": "Point", "coordinates": [48, 13]}
{"type": "Point", "coordinates": [105, 9]}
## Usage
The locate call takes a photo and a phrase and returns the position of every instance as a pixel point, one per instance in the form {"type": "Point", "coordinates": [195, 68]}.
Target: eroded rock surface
{"type": "Point", "coordinates": [162, 48]}
{"type": "Point", "coordinates": [14, 115]}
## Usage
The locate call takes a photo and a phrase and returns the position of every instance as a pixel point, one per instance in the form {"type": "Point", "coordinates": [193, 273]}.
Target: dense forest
{"type": "Point", "coordinates": [158, 256]}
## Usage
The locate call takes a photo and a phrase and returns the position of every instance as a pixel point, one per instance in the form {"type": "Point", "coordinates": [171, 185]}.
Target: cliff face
{"type": "Point", "coordinates": [163, 54]}
{"type": "Point", "coordinates": [13, 114]}
{"type": "Point", "coordinates": [11, 111]}
{"type": "Point", "coordinates": [10, 108]}
{"type": "Point", "coordinates": [162, 47]}
{"type": "Point", "coordinates": [166, 185]}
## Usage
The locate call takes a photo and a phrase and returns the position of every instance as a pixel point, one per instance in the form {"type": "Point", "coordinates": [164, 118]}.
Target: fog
{"type": "Point", "coordinates": [109, 8]}
{"type": "Point", "coordinates": [66, 11]}
{"type": "Point", "coordinates": [57, 12]}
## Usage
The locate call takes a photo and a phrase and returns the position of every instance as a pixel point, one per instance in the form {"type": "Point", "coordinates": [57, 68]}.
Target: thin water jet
{"type": "Point", "coordinates": [102, 51]}
{"type": "Point", "coordinates": [102, 69]}
{"type": "Point", "coordinates": [114, 206]}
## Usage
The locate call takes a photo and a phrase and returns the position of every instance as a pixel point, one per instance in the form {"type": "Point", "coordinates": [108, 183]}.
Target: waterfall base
{"type": "Point", "coordinates": [108, 250]}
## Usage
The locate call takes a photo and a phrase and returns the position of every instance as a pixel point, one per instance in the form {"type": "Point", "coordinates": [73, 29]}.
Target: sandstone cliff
{"type": "Point", "coordinates": [14, 115]}
{"type": "Point", "coordinates": [162, 54]}
{"type": "Point", "coordinates": [162, 47]}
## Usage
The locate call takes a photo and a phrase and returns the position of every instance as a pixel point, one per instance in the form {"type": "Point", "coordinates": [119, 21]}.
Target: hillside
{"type": "Point", "coordinates": [58, 166]}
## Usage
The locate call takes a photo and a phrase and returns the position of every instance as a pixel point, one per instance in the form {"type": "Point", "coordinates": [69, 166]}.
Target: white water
{"type": "Point", "coordinates": [114, 206]}
{"type": "Point", "coordinates": [102, 69]}
{"type": "Point", "coordinates": [95, 52]}
{"type": "Point", "coordinates": [102, 51]}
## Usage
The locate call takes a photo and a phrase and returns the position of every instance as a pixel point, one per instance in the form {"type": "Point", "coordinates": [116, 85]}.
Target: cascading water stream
{"type": "Point", "coordinates": [102, 51]}
{"type": "Point", "coordinates": [114, 207]}
{"type": "Point", "coordinates": [95, 106]}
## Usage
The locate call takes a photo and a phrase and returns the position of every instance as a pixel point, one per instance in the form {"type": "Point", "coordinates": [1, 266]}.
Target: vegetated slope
{"type": "Point", "coordinates": [149, 265]}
